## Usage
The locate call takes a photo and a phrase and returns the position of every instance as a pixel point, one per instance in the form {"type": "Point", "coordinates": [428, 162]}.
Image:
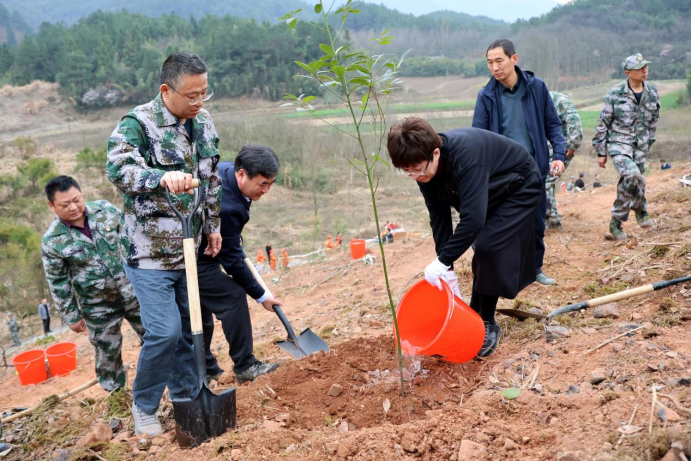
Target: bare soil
{"type": "Point", "coordinates": [289, 414]}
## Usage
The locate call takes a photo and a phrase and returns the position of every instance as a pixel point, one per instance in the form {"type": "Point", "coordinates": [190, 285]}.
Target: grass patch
{"type": "Point", "coordinates": [521, 305]}
{"type": "Point", "coordinates": [655, 445]}
{"type": "Point", "coordinates": [670, 101]}
{"type": "Point", "coordinates": [392, 109]}
{"type": "Point", "coordinates": [597, 289]}
{"type": "Point", "coordinates": [608, 396]}
{"type": "Point", "coordinates": [44, 340]}
{"type": "Point", "coordinates": [326, 331]}
{"type": "Point", "coordinates": [118, 404]}
{"type": "Point", "coordinates": [659, 251]}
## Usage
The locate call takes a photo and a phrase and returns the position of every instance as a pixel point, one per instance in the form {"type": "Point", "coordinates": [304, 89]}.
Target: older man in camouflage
{"type": "Point", "coordinates": [85, 274]}
{"type": "Point", "coordinates": [571, 130]}
{"type": "Point", "coordinates": [626, 130]}
{"type": "Point", "coordinates": [161, 145]}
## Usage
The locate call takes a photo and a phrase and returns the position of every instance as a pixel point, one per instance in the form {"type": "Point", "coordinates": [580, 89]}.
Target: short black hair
{"type": "Point", "coordinates": [255, 159]}
{"type": "Point", "coordinates": [60, 184]}
{"type": "Point", "coordinates": [506, 45]}
{"type": "Point", "coordinates": [581, 175]}
{"type": "Point", "coordinates": [411, 141]}
{"type": "Point", "coordinates": [179, 64]}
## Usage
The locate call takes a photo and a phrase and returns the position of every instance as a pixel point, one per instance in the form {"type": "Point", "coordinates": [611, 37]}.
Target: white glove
{"type": "Point", "coordinates": [453, 281]}
{"type": "Point", "coordinates": [434, 271]}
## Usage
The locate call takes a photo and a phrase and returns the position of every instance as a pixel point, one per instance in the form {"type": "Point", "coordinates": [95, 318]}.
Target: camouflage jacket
{"type": "Point", "coordinates": [624, 121]}
{"type": "Point", "coordinates": [148, 142]}
{"type": "Point", "coordinates": [78, 268]}
{"type": "Point", "coordinates": [571, 122]}
{"type": "Point", "coordinates": [13, 326]}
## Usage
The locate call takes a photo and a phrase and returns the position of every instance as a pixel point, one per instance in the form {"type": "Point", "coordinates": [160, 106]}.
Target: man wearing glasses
{"type": "Point", "coordinates": [161, 145]}
{"type": "Point", "coordinates": [494, 184]}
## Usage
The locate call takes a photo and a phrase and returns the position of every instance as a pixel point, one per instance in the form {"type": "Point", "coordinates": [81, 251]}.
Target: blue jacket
{"type": "Point", "coordinates": [235, 213]}
{"type": "Point", "coordinates": [539, 112]}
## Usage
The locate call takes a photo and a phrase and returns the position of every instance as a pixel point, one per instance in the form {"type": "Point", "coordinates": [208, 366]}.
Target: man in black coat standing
{"type": "Point", "coordinates": [224, 293]}
{"type": "Point", "coordinates": [518, 105]}
{"type": "Point", "coordinates": [495, 186]}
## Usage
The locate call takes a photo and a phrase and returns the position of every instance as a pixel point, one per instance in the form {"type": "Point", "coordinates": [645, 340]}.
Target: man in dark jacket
{"type": "Point", "coordinates": [518, 105]}
{"type": "Point", "coordinates": [243, 181]}
{"type": "Point", "coordinates": [495, 186]}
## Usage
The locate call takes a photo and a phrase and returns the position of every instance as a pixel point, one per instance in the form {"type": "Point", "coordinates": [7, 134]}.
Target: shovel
{"type": "Point", "coordinates": [523, 315]}
{"type": "Point", "coordinates": [616, 296]}
{"type": "Point", "coordinates": [298, 346]}
{"type": "Point", "coordinates": [204, 415]}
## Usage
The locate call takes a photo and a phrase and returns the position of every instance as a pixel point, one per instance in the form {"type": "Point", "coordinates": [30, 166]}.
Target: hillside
{"type": "Point", "coordinates": [13, 28]}
{"type": "Point", "coordinates": [577, 397]}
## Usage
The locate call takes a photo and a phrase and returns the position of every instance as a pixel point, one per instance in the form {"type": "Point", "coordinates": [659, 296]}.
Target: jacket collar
{"type": "Point", "coordinates": [230, 179]}
{"type": "Point", "coordinates": [491, 87]}
{"type": "Point", "coordinates": [624, 87]}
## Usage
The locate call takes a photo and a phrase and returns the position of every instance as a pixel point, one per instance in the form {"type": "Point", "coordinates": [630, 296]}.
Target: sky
{"type": "Point", "coordinates": [507, 10]}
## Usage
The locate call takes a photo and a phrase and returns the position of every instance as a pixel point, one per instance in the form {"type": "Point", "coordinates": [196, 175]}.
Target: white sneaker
{"type": "Point", "coordinates": [146, 424]}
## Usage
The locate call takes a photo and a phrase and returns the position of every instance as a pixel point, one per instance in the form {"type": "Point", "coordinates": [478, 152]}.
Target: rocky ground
{"type": "Point", "coordinates": [581, 397]}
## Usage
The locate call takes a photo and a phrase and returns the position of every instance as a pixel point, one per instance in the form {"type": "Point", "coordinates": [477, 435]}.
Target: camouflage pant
{"type": "Point", "coordinates": [15, 338]}
{"type": "Point", "coordinates": [103, 323]}
{"type": "Point", "coordinates": [630, 163]}
{"type": "Point", "coordinates": [552, 217]}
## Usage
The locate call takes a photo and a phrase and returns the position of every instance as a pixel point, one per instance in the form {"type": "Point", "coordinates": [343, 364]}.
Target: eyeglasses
{"type": "Point", "coordinates": [415, 173]}
{"type": "Point", "coordinates": [195, 101]}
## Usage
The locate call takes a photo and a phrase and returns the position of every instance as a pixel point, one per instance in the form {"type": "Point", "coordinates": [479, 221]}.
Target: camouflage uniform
{"type": "Point", "coordinates": [571, 130]}
{"type": "Point", "coordinates": [91, 272]}
{"type": "Point", "coordinates": [148, 142]}
{"type": "Point", "coordinates": [14, 331]}
{"type": "Point", "coordinates": [625, 131]}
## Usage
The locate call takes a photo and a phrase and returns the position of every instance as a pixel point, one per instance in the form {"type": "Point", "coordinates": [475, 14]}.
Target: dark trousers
{"type": "Point", "coordinates": [46, 325]}
{"type": "Point", "coordinates": [539, 229]}
{"type": "Point", "coordinates": [224, 297]}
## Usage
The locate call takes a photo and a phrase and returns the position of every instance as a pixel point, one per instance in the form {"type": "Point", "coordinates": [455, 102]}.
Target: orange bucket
{"type": "Point", "coordinates": [62, 358]}
{"type": "Point", "coordinates": [357, 248]}
{"type": "Point", "coordinates": [31, 367]}
{"type": "Point", "coordinates": [438, 323]}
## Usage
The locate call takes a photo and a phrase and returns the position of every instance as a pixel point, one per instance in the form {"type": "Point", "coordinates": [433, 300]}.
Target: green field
{"type": "Point", "coordinates": [393, 108]}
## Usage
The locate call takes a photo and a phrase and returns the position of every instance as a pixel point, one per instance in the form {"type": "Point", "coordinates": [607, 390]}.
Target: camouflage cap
{"type": "Point", "coordinates": [634, 62]}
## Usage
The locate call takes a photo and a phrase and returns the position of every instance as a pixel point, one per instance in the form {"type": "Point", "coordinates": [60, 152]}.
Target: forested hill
{"type": "Point", "coordinates": [70, 11]}
{"type": "Point", "coordinates": [13, 28]}
{"type": "Point", "coordinates": [608, 30]}
{"type": "Point", "coordinates": [373, 16]}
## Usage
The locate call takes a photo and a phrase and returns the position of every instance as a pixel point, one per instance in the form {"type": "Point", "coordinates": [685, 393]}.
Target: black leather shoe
{"type": "Point", "coordinates": [493, 333]}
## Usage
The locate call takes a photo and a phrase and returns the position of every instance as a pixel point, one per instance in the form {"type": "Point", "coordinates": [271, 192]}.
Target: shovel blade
{"type": "Point", "coordinates": [521, 315]}
{"type": "Point", "coordinates": [307, 343]}
{"type": "Point", "coordinates": [206, 416]}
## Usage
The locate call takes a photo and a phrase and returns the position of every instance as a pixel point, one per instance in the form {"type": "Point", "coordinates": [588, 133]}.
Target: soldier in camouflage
{"type": "Point", "coordinates": [165, 144]}
{"type": "Point", "coordinates": [14, 329]}
{"type": "Point", "coordinates": [571, 130]}
{"type": "Point", "coordinates": [626, 130]}
{"type": "Point", "coordinates": [86, 277]}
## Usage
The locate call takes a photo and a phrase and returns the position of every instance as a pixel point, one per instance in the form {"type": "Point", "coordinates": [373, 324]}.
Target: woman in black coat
{"type": "Point", "coordinates": [495, 186]}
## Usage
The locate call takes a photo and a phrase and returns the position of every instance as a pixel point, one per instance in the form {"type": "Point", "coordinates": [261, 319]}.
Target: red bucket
{"type": "Point", "coordinates": [434, 322]}
{"type": "Point", "coordinates": [357, 248]}
{"type": "Point", "coordinates": [31, 367]}
{"type": "Point", "coordinates": [62, 358]}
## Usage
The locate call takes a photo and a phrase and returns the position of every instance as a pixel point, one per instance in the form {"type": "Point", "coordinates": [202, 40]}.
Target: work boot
{"type": "Point", "coordinates": [553, 225]}
{"type": "Point", "coordinates": [255, 372]}
{"type": "Point", "coordinates": [616, 230]}
{"type": "Point", "coordinates": [544, 279]}
{"type": "Point", "coordinates": [643, 219]}
{"type": "Point", "coordinates": [493, 333]}
{"type": "Point", "coordinates": [146, 424]}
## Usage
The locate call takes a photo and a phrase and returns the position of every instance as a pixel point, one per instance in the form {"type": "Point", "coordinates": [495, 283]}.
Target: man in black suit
{"type": "Point", "coordinates": [243, 181]}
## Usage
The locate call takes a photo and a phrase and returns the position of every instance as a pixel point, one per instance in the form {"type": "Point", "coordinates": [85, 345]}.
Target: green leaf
{"type": "Point", "coordinates": [365, 99]}
{"type": "Point", "coordinates": [357, 67]}
{"type": "Point", "coordinates": [339, 71]}
{"type": "Point", "coordinates": [359, 81]}
{"type": "Point", "coordinates": [305, 67]}
{"type": "Point", "coordinates": [292, 23]}
{"type": "Point", "coordinates": [307, 99]}
{"type": "Point", "coordinates": [318, 8]}
{"type": "Point", "coordinates": [511, 393]}
{"type": "Point", "coordinates": [326, 49]}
